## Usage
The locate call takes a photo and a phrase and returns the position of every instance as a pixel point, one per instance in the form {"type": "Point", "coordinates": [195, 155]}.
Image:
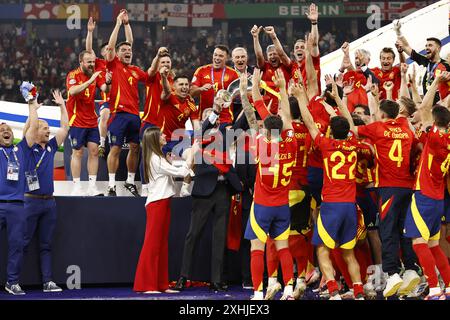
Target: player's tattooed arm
{"type": "Point", "coordinates": [285, 111]}
{"type": "Point", "coordinates": [248, 108]}
{"type": "Point", "coordinates": [298, 90]}
{"type": "Point", "coordinates": [257, 46]}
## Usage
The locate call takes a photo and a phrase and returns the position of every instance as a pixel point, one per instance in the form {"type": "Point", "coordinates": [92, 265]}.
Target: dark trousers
{"type": "Point", "coordinates": [244, 249]}
{"type": "Point", "coordinates": [393, 205]}
{"type": "Point", "coordinates": [218, 204]}
{"type": "Point", "coordinates": [41, 215]}
{"type": "Point", "coordinates": [13, 216]}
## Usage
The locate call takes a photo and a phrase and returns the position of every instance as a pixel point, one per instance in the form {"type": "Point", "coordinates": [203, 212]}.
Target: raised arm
{"type": "Point", "coordinates": [285, 111]}
{"type": "Point", "coordinates": [32, 132]}
{"type": "Point", "coordinates": [127, 27]}
{"type": "Point", "coordinates": [346, 63]}
{"type": "Point", "coordinates": [155, 62]}
{"type": "Point", "coordinates": [311, 74]}
{"type": "Point", "coordinates": [63, 130]}
{"type": "Point", "coordinates": [313, 16]}
{"type": "Point", "coordinates": [248, 108]}
{"type": "Point", "coordinates": [389, 87]}
{"type": "Point", "coordinates": [89, 37]}
{"type": "Point", "coordinates": [374, 101]}
{"type": "Point", "coordinates": [342, 107]}
{"type": "Point", "coordinates": [299, 92]}
{"type": "Point", "coordinates": [404, 92]}
{"type": "Point", "coordinates": [257, 46]}
{"type": "Point", "coordinates": [278, 47]}
{"type": "Point", "coordinates": [260, 106]}
{"type": "Point", "coordinates": [113, 38]}
{"type": "Point", "coordinates": [165, 94]}
{"type": "Point", "coordinates": [401, 40]}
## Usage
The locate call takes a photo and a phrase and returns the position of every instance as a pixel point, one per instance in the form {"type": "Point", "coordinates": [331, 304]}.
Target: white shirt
{"type": "Point", "coordinates": [161, 184]}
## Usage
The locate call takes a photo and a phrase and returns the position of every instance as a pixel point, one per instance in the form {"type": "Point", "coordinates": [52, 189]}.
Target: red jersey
{"type": "Point", "coordinates": [444, 87]}
{"type": "Point", "coordinates": [175, 112]}
{"type": "Point", "coordinates": [295, 67]}
{"type": "Point", "coordinates": [300, 171]}
{"type": "Point", "coordinates": [220, 79]}
{"type": "Point", "coordinates": [393, 142]}
{"type": "Point", "coordinates": [100, 65]}
{"type": "Point", "coordinates": [322, 120]}
{"type": "Point", "coordinates": [359, 94]}
{"type": "Point", "coordinates": [124, 94]}
{"type": "Point", "coordinates": [81, 107]}
{"type": "Point", "coordinates": [267, 77]}
{"type": "Point", "coordinates": [434, 164]}
{"type": "Point", "coordinates": [393, 75]}
{"type": "Point", "coordinates": [152, 107]}
{"type": "Point", "coordinates": [364, 168]}
{"type": "Point", "coordinates": [339, 162]}
{"type": "Point", "coordinates": [273, 177]}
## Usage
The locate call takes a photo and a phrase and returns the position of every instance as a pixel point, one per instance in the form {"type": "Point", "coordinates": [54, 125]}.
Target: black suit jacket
{"type": "Point", "coordinates": [206, 174]}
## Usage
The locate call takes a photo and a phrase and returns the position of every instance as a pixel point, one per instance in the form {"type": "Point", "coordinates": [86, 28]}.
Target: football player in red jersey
{"type": "Point", "coordinates": [297, 67]}
{"type": "Point", "coordinates": [100, 64]}
{"type": "Point", "coordinates": [337, 221]}
{"type": "Point", "coordinates": [177, 107]}
{"type": "Point", "coordinates": [211, 78]}
{"type": "Point", "coordinates": [124, 96]}
{"type": "Point", "coordinates": [81, 85]}
{"type": "Point", "coordinates": [268, 67]}
{"type": "Point", "coordinates": [152, 106]}
{"type": "Point", "coordinates": [393, 141]}
{"type": "Point", "coordinates": [423, 218]}
{"type": "Point", "coordinates": [270, 215]}
{"type": "Point", "coordinates": [388, 73]}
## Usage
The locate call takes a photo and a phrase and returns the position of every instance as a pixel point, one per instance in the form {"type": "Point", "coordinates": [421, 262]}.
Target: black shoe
{"type": "Point", "coordinates": [218, 287]}
{"type": "Point", "coordinates": [14, 289]}
{"type": "Point", "coordinates": [181, 284]}
{"type": "Point", "coordinates": [132, 188]}
{"type": "Point", "coordinates": [112, 192]}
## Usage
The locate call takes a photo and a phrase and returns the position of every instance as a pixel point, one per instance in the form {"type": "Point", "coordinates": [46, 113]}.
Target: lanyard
{"type": "Point", "coordinates": [430, 73]}
{"type": "Point", "coordinates": [40, 160]}
{"type": "Point", "coordinates": [223, 77]}
{"type": "Point", "coordinates": [7, 157]}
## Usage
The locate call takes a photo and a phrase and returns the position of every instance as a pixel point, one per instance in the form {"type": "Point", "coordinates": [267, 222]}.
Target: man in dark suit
{"type": "Point", "coordinates": [214, 184]}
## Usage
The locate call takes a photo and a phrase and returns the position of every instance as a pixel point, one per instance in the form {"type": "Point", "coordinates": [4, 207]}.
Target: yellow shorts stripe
{"type": "Point", "coordinates": [259, 232]}
{"type": "Point", "coordinates": [323, 234]}
{"type": "Point", "coordinates": [418, 220]}
{"type": "Point", "coordinates": [284, 235]}
{"type": "Point", "coordinates": [296, 196]}
{"type": "Point", "coordinates": [436, 237]}
{"type": "Point", "coordinates": [349, 245]}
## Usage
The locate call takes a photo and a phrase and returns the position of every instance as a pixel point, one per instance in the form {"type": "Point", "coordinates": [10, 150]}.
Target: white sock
{"type": "Point", "coordinates": [130, 178]}
{"type": "Point", "coordinates": [447, 290]}
{"type": "Point", "coordinates": [144, 187]}
{"type": "Point", "coordinates": [272, 281]}
{"type": "Point", "coordinates": [92, 180]}
{"type": "Point", "coordinates": [288, 290]}
{"type": "Point", "coordinates": [102, 141]}
{"type": "Point", "coordinates": [435, 291]}
{"type": "Point", "coordinates": [112, 180]}
{"type": "Point", "coordinates": [259, 295]}
{"type": "Point", "coordinates": [76, 181]}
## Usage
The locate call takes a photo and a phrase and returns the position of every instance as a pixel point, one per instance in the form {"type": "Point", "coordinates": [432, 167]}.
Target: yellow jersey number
{"type": "Point", "coordinates": [286, 172]}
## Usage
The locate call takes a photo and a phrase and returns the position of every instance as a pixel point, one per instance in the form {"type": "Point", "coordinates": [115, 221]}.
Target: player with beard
{"type": "Point", "coordinates": [100, 64]}
{"type": "Point", "coordinates": [298, 66]}
{"type": "Point", "coordinates": [125, 121]}
{"type": "Point", "coordinates": [81, 85]}
{"type": "Point", "coordinates": [211, 78]}
{"type": "Point", "coordinates": [269, 66]}
{"type": "Point", "coordinates": [432, 61]}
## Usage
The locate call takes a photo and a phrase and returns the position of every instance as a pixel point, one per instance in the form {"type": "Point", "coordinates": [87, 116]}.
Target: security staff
{"type": "Point", "coordinates": [13, 164]}
{"type": "Point", "coordinates": [40, 205]}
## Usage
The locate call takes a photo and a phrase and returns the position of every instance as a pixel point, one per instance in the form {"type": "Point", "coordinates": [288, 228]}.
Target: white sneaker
{"type": "Point", "coordinates": [335, 297]}
{"type": "Point", "coordinates": [94, 192]}
{"type": "Point", "coordinates": [349, 295]}
{"type": "Point", "coordinates": [77, 191]}
{"type": "Point", "coordinates": [272, 291]}
{"type": "Point", "coordinates": [420, 289]}
{"type": "Point", "coordinates": [287, 297]}
{"type": "Point", "coordinates": [369, 289]}
{"type": "Point", "coordinates": [392, 285]}
{"type": "Point", "coordinates": [185, 190]}
{"type": "Point", "coordinates": [410, 281]}
{"type": "Point", "coordinates": [258, 295]}
{"type": "Point", "coordinates": [300, 288]}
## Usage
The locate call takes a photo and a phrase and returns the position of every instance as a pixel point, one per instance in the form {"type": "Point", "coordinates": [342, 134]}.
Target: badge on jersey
{"type": "Point", "coordinates": [12, 173]}
{"type": "Point", "coordinates": [32, 180]}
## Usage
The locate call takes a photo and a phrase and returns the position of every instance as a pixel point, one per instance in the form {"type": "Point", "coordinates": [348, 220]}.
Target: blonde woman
{"type": "Point", "coordinates": [152, 275]}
